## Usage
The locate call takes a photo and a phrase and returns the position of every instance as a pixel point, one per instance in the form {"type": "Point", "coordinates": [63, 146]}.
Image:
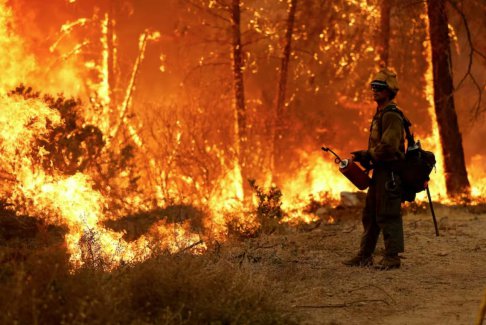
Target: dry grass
{"type": "Point", "coordinates": [253, 281]}
{"type": "Point", "coordinates": [39, 287]}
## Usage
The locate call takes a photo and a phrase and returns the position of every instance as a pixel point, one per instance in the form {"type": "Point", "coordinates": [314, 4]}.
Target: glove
{"type": "Point", "coordinates": [363, 157]}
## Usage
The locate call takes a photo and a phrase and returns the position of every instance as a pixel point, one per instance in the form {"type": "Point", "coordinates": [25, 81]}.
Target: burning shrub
{"type": "Point", "coordinates": [264, 219]}
{"type": "Point", "coordinates": [269, 202]}
{"type": "Point", "coordinates": [323, 200]}
{"type": "Point", "coordinates": [269, 207]}
{"type": "Point", "coordinates": [138, 224]}
{"type": "Point", "coordinates": [71, 146]}
{"type": "Point", "coordinates": [238, 226]}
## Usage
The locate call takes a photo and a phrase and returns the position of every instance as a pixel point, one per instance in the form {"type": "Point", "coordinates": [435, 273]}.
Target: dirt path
{"type": "Point", "coordinates": [441, 281]}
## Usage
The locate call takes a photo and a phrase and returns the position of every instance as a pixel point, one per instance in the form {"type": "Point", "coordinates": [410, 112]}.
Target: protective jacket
{"type": "Point", "coordinates": [387, 138]}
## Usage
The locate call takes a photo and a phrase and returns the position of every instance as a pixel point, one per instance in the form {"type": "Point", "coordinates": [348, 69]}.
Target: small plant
{"type": "Point", "coordinates": [323, 200]}
{"type": "Point", "coordinates": [269, 207]}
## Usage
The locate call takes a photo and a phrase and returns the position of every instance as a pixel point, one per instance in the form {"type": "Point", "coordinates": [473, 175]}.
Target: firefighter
{"type": "Point", "coordinates": [386, 148]}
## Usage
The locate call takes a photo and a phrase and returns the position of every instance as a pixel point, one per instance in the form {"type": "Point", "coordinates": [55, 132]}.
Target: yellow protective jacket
{"type": "Point", "coordinates": [387, 135]}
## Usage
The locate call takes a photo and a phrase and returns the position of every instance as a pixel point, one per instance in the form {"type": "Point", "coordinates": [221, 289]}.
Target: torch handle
{"type": "Point", "coordinates": [338, 159]}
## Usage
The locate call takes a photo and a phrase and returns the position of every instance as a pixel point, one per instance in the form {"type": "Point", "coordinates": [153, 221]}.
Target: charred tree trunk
{"type": "Point", "coordinates": [240, 107]}
{"type": "Point", "coordinates": [454, 164]}
{"type": "Point", "coordinates": [280, 125]}
{"type": "Point", "coordinates": [384, 43]}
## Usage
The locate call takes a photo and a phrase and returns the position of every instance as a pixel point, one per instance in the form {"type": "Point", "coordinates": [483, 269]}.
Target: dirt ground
{"type": "Point", "coordinates": [441, 281]}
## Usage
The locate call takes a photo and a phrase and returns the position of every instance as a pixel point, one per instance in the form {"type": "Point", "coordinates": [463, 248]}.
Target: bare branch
{"type": "Point", "coordinates": [254, 40]}
{"type": "Point", "coordinates": [472, 50]}
{"type": "Point", "coordinates": [223, 5]}
{"type": "Point", "coordinates": [201, 66]}
{"type": "Point", "coordinates": [208, 11]}
{"type": "Point", "coordinates": [303, 51]}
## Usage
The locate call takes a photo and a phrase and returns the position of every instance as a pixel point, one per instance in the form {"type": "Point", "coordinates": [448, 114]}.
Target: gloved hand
{"type": "Point", "coordinates": [363, 157]}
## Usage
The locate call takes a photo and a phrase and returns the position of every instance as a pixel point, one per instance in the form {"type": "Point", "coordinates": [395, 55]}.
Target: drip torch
{"type": "Point", "coordinates": [351, 171]}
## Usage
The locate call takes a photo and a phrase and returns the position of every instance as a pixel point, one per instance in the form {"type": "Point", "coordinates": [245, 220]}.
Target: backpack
{"type": "Point", "coordinates": [415, 169]}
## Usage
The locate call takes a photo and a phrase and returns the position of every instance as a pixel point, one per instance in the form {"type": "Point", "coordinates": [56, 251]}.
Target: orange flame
{"type": "Point", "coordinates": [72, 201]}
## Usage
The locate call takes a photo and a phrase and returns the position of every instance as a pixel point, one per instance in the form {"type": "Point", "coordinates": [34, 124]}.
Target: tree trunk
{"type": "Point", "coordinates": [240, 107]}
{"type": "Point", "coordinates": [454, 164]}
{"type": "Point", "coordinates": [279, 126]}
{"type": "Point", "coordinates": [384, 43]}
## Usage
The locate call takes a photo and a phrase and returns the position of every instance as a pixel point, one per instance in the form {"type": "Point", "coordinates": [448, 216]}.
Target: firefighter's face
{"type": "Point", "coordinates": [380, 93]}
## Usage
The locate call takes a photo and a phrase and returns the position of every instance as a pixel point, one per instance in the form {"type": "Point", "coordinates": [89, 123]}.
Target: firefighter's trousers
{"type": "Point", "coordinates": [382, 212]}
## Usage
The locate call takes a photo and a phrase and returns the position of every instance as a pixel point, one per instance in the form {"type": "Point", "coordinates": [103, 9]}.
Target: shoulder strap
{"type": "Point", "coordinates": [406, 122]}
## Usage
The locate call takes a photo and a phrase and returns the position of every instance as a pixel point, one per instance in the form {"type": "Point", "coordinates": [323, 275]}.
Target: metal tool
{"type": "Point", "coordinates": [432, 210]}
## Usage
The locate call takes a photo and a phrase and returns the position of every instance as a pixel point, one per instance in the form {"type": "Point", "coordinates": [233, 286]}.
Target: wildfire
{"type": "Point", "coordinates": [74, 201]}
{"type": "Point", "coordinates": [432, 142]}
{"type": "Point", "coordinates": [12, 69]}
{"type": "Point", "coordinates": [478, 176]}
{"type": "Point", "coordinates": [71, 200]}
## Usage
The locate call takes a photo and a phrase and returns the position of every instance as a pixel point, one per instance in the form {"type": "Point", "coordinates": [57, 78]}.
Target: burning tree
{"type": "Point", "coordinates": [452, 149]}
{"type": "Point", "coordinates": [237, 75]}
{"type": "Point", "coordinates": [280, 125]}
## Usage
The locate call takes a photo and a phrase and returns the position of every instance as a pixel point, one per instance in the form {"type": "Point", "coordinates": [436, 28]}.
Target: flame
{"type": "Point", "coordinates": [73, 202]}
{"type": "Point", "coordinates": [295, 217]}
{"type": "Point", "coordinates": [12, 69]}
{"type": "Point", "coordinates": [478, 176]}
{"type": "Point", "coordinates": [104, 88]}
{"type": "Point", "coordinates": [225, 201]}
{"type": "Point", "coordinates": [317, 175]}
{"type": "Point", "coordinates": [433, 143]}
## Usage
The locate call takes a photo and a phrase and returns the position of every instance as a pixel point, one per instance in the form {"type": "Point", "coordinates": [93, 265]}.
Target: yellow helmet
{"type": "Point", "coordinates": [386, 78]}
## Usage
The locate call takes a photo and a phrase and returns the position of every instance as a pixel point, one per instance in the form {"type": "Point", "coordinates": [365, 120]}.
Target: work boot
{"type": "Point", "coordinates": [359, 260]}
{"type": "Point", "coordinates": [388, 262]}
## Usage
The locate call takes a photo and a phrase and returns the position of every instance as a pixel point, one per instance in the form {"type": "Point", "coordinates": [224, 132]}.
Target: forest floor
{"type": "Point", "coordinates": [441, 281]}
{"type": "Point", "coordinates": [293, 274]}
